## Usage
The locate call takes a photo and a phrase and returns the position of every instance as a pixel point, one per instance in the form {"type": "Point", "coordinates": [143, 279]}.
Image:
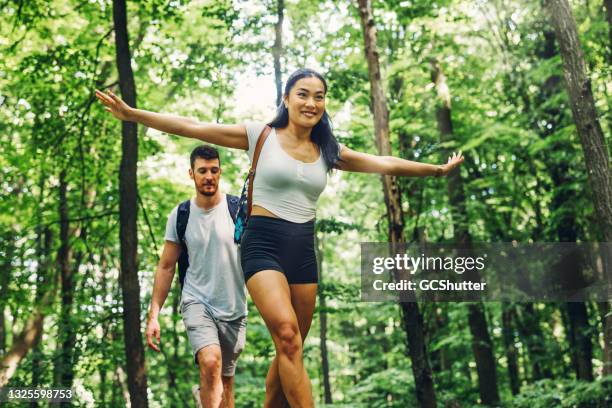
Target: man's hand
{"type": "Point", "coordinates": [153, 333]}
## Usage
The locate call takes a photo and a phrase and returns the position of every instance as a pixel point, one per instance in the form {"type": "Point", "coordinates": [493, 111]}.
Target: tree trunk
{"type": "Point", "coordinates": [24, 341]}
{"type": "Point", "coordinates": [106, 327]}
{"type": "Point", "coordinates": [578, 328]}
{"type": "Point", "coordinates": [277, 51]}
{"type": "Point", "coordinates": [128, 190]}
{"type": "Point", "coordinates": [103, 386]}
{"type": "Point", "coordinates": [605, 312]}
{"type": "Point", "coordinates": [5, 277]}
{"type": "Point", "coordinates": [63, 370]}
{"type": "Point", "coordinates": [411, 316]}
{"type": "Point", "coordinates": [121, 395]}
{"type": "Point", "coordinates": [43, 275]}
{"type": "Point", "coordinates": [608, 7]}
{"type": "Point", "coordinates": [481, 341]}
{"type": "Point", "coordinates": [323, 324]}
{"type": "Point", "coordinates": [508, 318]}
{"type": "Point", "coordinates": [44, 278]}
{"type": "Point", "coordinates": [589, 130]}
{"type": "Point", "coordinates": [528, 325]}
{"type": "Point", "coordinates": [580, 338]}
{"type": "Point", "coordinates": [567, 229]}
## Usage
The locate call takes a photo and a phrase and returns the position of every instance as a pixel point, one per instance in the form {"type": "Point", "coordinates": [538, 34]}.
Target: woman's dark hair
{"type": "Point", "coordinates": [322, 133]}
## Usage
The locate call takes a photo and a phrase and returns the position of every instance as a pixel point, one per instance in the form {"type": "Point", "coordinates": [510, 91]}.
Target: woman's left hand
{"type": "Point", "coordinates": [453, 162]}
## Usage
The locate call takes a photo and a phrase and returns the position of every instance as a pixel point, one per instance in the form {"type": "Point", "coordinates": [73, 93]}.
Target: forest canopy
{"type": "Point", "coordinates": [522, 87]}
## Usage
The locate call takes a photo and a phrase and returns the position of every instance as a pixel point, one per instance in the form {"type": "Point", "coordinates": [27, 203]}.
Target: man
{"type": "Point", "coordinates": [213, 300]}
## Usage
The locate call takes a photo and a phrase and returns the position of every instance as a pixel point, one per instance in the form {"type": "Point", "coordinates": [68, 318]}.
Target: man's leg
{"type": "Point", "coordinates": [203, 335]}
{"type": "Point", "coordinates": [228, 391]}
{"type": "Point", "coordinates": [303, 300]}
{"type": "Point", "coordinates": [211, 386]}
{"type": "Point", "coordinates": [232, 337]}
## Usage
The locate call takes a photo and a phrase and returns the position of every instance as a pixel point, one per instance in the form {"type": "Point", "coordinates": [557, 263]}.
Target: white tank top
{"type": "Point", "coordinates": [285, 186]}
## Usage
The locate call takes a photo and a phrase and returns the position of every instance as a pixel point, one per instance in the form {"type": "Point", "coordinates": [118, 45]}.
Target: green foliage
{"type": "Point", "coordinates": [565, 393]}
{"type": "Point", "coordinates": [524, 179]}
{"type": "Point", "coordinates": [385, 388]}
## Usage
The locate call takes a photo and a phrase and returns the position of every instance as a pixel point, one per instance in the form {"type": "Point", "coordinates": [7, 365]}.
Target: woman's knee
{"type": "Point", "coordinates": [288, 338]}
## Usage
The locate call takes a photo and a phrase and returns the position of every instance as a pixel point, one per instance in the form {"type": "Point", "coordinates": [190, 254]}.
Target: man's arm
{"type": "Point", "coordinates": [161, 286]}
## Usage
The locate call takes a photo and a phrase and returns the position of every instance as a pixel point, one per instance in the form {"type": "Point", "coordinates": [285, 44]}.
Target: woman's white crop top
{"type": "Point", "coordinates": [285, 186]}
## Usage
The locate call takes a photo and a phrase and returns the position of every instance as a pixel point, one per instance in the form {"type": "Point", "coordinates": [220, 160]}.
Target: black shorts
{"type": "Point", "coordinates": [280, 245]}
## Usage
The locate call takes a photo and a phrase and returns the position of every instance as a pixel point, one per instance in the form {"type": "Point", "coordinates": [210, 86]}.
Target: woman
{"type": "Point", "coordinates": [277, 250]}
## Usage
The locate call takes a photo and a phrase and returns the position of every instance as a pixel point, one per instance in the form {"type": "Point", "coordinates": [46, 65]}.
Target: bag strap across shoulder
{"type": "Point", "coordinates": [260, 142]}
{"type": "Point", "coordinates": [232, 205]}
{"type": "Point", "coordinates": [182, 217]}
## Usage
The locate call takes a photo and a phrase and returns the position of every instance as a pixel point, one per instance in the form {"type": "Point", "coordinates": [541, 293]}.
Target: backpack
{"type": "Point", "coordinates": [182, 217]}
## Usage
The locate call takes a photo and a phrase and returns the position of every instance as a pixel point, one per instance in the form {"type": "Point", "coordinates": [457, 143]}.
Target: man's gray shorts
{"type": "Point", "coordinates": [204, 330]}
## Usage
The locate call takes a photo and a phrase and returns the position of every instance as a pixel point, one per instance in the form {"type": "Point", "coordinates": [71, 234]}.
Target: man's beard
{"type": "Point", "coordinates": [208, 193]}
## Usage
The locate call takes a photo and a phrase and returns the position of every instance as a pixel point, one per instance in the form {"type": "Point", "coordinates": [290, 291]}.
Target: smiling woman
{"type": "Point", "coordinates": [277, 249]}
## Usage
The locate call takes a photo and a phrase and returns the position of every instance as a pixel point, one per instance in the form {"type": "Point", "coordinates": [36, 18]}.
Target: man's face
{"type": "Point", "coordinates": [206, 174]}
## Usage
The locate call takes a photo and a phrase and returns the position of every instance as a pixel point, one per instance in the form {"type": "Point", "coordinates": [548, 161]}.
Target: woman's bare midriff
{"type": "Point", "coordinates": [257, 210]}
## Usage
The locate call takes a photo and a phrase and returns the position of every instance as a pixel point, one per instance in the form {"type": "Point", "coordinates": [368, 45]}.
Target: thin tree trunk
{"type": "Point", "coordinates": [45, 274]}
{"type": "Point", "coordinates": [43, 249]}
{"type": "Point", "coordinates": [120, 388]}
{"type": "Point", "coordinates": [605, 310]}
{"type": "Point", "coordinates": [508, 319]}
{"type": "Point", "coordinates": [323, 324]}
{"type": "Point", "coordinates": [578, 327]}
{"type": "Point", "coordinates": [411, 315]}
{"type": "Point", "coordinates": [128, 207]}
{"type": "Point", "coordinates": [531, 334]}
{"type": "Point", "coordinates": [5, 277]}
{"type": "Point", "coordinates": [103, 382]}
{"type": "Point", "coordinates": [277, 51]}
{"type": "Point", "coordinates": [481, 341]}
{"type": "Point", "coordinates": [608, 7]}
{"type": "Point", "coordinates": [579, 332]}
{"type": "Point", "coordinates": [106, 326]}
{"type": "Point", "coordinates": [591, 135]}
{"type": "Point", "coordinates": [24, 341]}
{"type": "Point", "coordinates": [63, 370]}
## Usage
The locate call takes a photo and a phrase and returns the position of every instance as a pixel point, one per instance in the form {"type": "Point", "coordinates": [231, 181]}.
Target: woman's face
{"type": "Point", "coordinates": [306, 102]}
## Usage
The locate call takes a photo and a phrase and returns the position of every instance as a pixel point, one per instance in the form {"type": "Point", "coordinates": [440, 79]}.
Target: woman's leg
{"type": "Point", "coordinates": [303, 300]}
{"type": "Point", "coordinates": [272, 296]}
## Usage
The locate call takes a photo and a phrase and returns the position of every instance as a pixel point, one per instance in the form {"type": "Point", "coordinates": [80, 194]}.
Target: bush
{"type": "Point", "coordinates": [566, 394]}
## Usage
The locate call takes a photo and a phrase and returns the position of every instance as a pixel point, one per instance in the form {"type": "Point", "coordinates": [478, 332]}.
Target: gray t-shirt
{"type": "Point", "coordinates": [214, 276]}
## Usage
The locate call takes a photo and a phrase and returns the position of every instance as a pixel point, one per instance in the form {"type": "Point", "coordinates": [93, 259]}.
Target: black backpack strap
{"type": "Point", "coordinates": [182, 218]}
{"type": "Point", "coordinates": [232, 205]}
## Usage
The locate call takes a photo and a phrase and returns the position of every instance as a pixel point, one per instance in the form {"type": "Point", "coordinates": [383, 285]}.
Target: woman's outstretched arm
{"type": "Point", "coordinates": [222, 135]}
{"type": "Point", "coordinates": [350, 160]}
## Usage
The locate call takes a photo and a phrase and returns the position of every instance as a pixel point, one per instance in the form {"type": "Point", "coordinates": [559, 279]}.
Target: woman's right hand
{"type": "Point", "coordinates": [114, 105]}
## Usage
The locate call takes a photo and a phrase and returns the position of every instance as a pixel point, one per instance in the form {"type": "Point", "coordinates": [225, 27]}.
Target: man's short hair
{"type": "Point", "coordinates": [206, 152]}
